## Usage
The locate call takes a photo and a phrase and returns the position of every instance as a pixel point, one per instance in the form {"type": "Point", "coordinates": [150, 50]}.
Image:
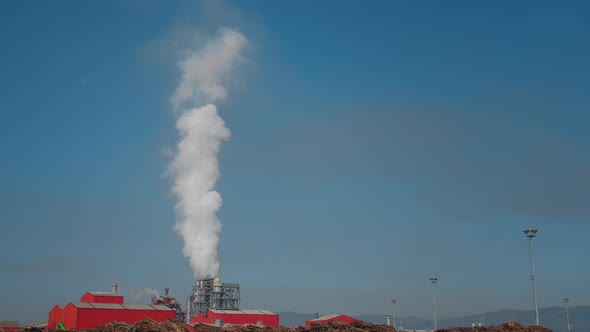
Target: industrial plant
{"type": "Point", "coordinates": [213, 294]}
{"type": "Point", "coordinates": [215, 302]}
{"type": "Point", "coordinates": [211, 302]}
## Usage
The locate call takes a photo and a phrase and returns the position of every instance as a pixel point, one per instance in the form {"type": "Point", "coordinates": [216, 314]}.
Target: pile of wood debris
{"type": "Point", "coordinates": [148, 325]}
{"type": "Point", "coordinates": [508, 327]}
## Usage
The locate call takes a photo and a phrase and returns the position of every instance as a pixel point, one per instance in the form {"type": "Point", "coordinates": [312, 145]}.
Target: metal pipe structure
{"type": "Point", "coordinates": [531, 233]}
{"type": "Point", "coordinates": [211, 293]}
{"type": "Point", "coordinates": [393, 301]}
{"type": "Point", "coordinates": [567, 315]}
{"type": "Point", "coordinates": [433, 281]}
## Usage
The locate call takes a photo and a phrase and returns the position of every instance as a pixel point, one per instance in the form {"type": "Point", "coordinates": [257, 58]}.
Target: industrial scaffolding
{"type": "Point", "coordinates": [213, 294]}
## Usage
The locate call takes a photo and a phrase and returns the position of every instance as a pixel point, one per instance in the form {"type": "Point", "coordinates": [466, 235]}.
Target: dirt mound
{"type": "Point", "coordinates": [508, 327]}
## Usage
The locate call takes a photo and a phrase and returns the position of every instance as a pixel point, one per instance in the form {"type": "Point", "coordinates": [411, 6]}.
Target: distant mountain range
{"type": "Point", "coordinates": [551, 317]}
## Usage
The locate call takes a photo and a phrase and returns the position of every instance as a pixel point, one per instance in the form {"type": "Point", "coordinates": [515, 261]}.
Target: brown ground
{"type": "Point", "coordinates": [148, 325]}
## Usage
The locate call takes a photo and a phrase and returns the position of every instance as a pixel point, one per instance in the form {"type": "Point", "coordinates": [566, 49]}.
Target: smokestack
{"type": "Point", "coordinates": [195, 167]}
{"type": "Point", "coordinates": [388, 320]}
{"type": "Point", "coordinates": [115, 287]}
{"type": "Point", "coordinates": [166, 290]}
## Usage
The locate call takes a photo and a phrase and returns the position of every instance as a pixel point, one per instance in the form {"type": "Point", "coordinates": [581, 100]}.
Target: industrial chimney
{"type": "Point", "coordinates": [115, 287]}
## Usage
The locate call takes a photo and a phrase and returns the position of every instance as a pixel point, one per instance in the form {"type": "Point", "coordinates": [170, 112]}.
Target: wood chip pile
{"type": "Point", "coordinates": [508, 327]}
{"type": "Point", "coordinates": [144, 325]}
{"type": "Point", "coordinates": [347, 327]}
{"type": "Point", "coordinates": [148, 325]}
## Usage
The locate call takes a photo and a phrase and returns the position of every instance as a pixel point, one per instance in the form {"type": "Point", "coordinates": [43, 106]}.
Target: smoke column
{"type": "Point", "coordinates": [195, 167]}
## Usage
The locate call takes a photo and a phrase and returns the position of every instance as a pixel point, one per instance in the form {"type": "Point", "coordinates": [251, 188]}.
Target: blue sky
{"type": "Point", "coordinates": [373, 145]}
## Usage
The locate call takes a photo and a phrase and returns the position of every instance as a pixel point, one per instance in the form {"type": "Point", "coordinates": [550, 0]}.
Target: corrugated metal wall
{"type": "Point", "coordinates": [88, 318]}
{"type": "Point", "coordinates": [92, 298]}
{"type": "Point", "coordinates": [55, 317]}
{"type": "Point", "coordinates": [70, 316]}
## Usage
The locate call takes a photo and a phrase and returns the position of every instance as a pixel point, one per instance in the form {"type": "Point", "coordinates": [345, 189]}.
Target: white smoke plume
{"type": "Point", "coordinates": [147, 291]}
{"type": "Point", "coordinates": [204, 71]}
{"type": "Point", "coordinates": [195, 167]}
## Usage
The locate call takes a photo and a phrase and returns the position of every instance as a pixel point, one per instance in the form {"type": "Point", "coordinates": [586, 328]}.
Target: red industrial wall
{"type": "Point", "coordinates": [237, 318]}
{"type": "Point", "coordinates": [342, 318]}
{"type": "Point", "coordinates": [55, 316]}
{"type": "Point", "coordinates": [11, 328]}
{"type": "Point", "coordinates": [92, 298]}
{"type": "Point", "coordinates": [97, 310]}
{"type": "Point", "coordinates": [70, 316]}
{"type": "Point", "coordinates": [89, 318]}
{"type": "Point", "coordinates": [82, 318]}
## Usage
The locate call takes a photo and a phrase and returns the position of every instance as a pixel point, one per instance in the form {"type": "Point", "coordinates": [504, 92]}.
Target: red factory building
{"type": "Point", "coordinates": [237, 317]}
{"type": "Point", "coordinates": [9, 325]}
{"type": "Point", "coordinates": [99, 308]}
{"type": "Point", "coordinates": [330, 318]}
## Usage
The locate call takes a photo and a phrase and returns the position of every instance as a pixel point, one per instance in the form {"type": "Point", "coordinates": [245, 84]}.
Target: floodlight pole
{"type": "Point", "coordinates": [531, 233]}
{"type": "Point", "coordinates": [393, 301]}
{"type": "Point", "coordinates": [567, 313]}
{"type": "Point", "coordinates": [433, 281]}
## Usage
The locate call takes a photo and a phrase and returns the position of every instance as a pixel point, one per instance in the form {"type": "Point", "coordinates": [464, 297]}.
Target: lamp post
{"type": "Point", "coordinates": [433, 280]}
{"type": "Point", "coordinates": [393, 301]}
{"type": "Point", "coordinates": [567, 315]}
{"type": "Point", "coordinates": [531, 233]}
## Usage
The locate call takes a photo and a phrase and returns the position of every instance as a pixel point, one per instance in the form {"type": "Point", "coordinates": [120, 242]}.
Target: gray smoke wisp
{"type": "Point", "coordinates": [147, 291]}
{"type": "Point", "coordinates": [195, 167]}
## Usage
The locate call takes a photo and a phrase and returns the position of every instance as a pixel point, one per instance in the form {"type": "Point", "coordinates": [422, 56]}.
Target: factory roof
{"type": "Point", "coordinates": [137, 307]}
{"type": "Point", "coordinates": [328, 317]}
{"type": "Point", "coordinates": [242, 312]}
{"type": "Point", "coordinates": [38, 324]}
{"type": "Point", "coordinates": [105, 294]}
{"type": "Point", "coordinates": [160, 307]}
{"type": "Point", "coordinates": [9, 323]}
{"type": "Point", "coordinates": [85, 305]}
{"type": "Point", "coordinates": [107, 306]}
